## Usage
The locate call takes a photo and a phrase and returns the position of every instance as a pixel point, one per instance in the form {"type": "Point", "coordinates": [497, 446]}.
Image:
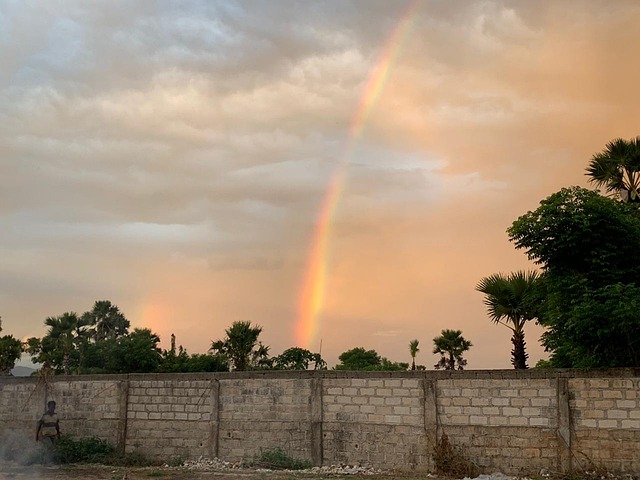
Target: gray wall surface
{"type": "Point", "coordinates": [503, 420]}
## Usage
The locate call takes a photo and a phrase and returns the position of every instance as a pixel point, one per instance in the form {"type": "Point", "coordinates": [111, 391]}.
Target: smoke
{"type": "Point", "coordinates": [20, 450]}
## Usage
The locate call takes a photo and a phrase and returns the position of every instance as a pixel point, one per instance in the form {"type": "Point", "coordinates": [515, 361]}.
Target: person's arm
{"type": "Point", "coordinates": [38, 429]}
{"type": "Point", "coordinates": [58, 427]}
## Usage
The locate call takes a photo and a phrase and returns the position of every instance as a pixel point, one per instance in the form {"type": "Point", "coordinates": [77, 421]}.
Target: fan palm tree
{"type": "Point", "coordinates": [617, 169]}
{"type": "Point", "coordinates": [510, 302]}
{"type": "Point", "coordinates": [61, 337]}
{"type": "Point", "coordinates": [241, 346]}
{"type": "Point", "coordinates": [413, 350]}
{"type": "Point", "coordinates": [107, 321]}
{"type": "Point", "coordinates": [451, 345]}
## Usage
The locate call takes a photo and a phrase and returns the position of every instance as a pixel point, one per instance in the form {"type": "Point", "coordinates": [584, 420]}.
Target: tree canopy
{"type": "Point", "coordinates": [588, 247]}
{"type": "Point", "coordinates": [450, 345]}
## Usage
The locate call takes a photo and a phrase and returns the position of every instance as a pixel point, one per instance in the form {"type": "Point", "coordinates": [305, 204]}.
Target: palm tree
{"type": "Point", "coordinates": [413, 350]}
{"type": "Point", "coordinates": [617, 168]}
{"type": "Point", "coordinates": [451, 345]}
{"type": "Point", "coordinates": [61, 337]}
{"type": "Point", "coordinates": [107, 321]}
{"type": "Point", "coordinates": [241, 346]}
{"type": "Point", "coordinates": [510, 302]}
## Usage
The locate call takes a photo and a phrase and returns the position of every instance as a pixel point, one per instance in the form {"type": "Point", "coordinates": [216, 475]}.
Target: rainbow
{"type": "Point", "coordinates": [312, 294]}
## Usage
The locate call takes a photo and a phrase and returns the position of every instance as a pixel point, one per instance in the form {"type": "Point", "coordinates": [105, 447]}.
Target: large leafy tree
{"type": "Point", "coordinates": [369, 360]}
{"type": "Point", "coordinates": [450, 345]}
{"type": "Point", "coordinates": [588, 247]}
{"type": "Point", "coordinates": [511, 301]}
{"type": "Point", "coordinates": [137, 352]}
{"type": "Point", "coordinates": [296, 358]}
{"type": "Point", "coordinates": [242, 348]}
{"type": "Point", "coordinates": [413, 351]}
{"type": "Point", "coordinates": [10, 352]}
{"type": "Point", "coordinates": [617, 169]}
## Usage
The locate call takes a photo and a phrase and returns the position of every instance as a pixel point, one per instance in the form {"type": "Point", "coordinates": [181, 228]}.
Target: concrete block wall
{"type": "Point", "coordinates": [374, 421]}
{"type": "Point", "coordinates": [517, 422]}
{"type": "Point", "coordinates": [606, 422]}
{"type": "Point", "coordinates": [169, 417]}
{"type": "Point", "coordinates": [258, 414]}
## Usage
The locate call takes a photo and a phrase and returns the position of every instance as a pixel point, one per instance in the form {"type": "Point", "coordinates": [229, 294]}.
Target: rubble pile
{"type": "Point", "coordinates": [204, 463]}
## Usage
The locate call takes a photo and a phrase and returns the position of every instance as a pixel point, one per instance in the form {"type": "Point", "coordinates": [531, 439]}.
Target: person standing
{"type": "Point", "coordinates": [49, 425]}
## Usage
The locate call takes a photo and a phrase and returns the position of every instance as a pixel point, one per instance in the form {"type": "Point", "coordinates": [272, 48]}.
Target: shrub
{"type": "Point", "coordinates": [279, 460]}
{"type": "Point", "coordinates": [450, 461]}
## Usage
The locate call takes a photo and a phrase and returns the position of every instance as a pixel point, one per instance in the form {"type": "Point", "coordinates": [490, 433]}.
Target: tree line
{"type": "Point", "coordinates": [585, 293]}
{"type": "Point", "coordinates": [100, 341]}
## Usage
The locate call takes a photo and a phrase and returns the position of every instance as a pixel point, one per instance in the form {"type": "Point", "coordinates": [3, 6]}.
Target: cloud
{"type": "Point", "coordinates": [173, 157]}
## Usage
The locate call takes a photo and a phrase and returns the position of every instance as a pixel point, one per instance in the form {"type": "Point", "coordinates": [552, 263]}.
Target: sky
{"type": "Point", "coordinates": [341, 173]}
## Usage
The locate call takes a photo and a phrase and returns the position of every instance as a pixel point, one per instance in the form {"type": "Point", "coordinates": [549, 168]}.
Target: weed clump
{"type": "Point", "coordinates": [279, 460]}
{"type": "Point", "coordinates": [449, 460]}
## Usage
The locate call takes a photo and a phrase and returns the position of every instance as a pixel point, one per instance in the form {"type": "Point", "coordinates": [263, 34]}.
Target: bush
{"type": "Point", "coordinates": [84, 450]}
{"type": "Point", "coordinates": [279, 460]}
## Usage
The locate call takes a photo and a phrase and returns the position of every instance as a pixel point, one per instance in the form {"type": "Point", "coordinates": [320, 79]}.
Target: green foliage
{"type": "Point", "coordinates": [279, 460]}
{"type": "Point", "coordinates": [84, 450]}
{"type": "Point", "coordinates": [512, 301]}
{"type": "Point", "coordinates": [106, 321]}
{"type": "Point", "coordinates": [451, 462]}
{"type": "Point", "coordinates": [413, 351]}
{"type": "Point", "coordinates": [589, 249]}
{"type": "Point", "coordinates": [368, 360]}
{"type": "Point", "coordinates": [578, 232]}
{"type": "Point", "coordinates": [451, 345]}
{"type": "Point", "coordinates": [241, 347]}
{"type": "Point", "coordinates": [617, 169]}
{"type": "Point", "coordinates": [137, 352]}
{"type": "Point", "coordinates": [10, 352]}
{"type": "Point", "coordinates": [296, 358]}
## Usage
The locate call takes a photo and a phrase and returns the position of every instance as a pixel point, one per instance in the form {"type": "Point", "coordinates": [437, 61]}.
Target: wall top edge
{"type": "Point", "coordinates": [535, 373]}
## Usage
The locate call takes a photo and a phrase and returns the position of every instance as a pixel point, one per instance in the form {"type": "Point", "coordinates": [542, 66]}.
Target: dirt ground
{"type": "Point", "coordinates": [100, 472]}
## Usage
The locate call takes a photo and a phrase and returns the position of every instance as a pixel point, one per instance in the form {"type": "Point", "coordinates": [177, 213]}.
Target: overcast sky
{"type": "Point", "coordinates": [175, 157]}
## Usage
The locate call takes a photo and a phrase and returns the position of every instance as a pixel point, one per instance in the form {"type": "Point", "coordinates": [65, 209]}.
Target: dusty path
{"type": "Point", "coordinates": [101, 472]}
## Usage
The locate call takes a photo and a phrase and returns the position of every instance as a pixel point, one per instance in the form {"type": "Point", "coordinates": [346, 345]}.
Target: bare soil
{"type": "Point", "coordinates": [101, 472]}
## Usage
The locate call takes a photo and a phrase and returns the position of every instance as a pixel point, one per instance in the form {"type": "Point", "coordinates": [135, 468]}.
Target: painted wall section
{"type": "Point", "coordinates": [512, 421]}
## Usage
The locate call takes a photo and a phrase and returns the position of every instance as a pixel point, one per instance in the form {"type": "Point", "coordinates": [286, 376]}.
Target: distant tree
{"type": "Point", "coordinates": [296, 358]}
{"type": "Point", "coordinates": [58, 348]}
{"type": "Point", "coordinates": [450, 345]}
{"type": "Point", "coordinates": [413, 350]}
{"type": "Point", "coordinates": [588, 247]}
{"type": "Point", "coordinates": [178, 360]}
{"type": "Point", "coordinates": [617, 169]}
{"type": "Point", "coordinates": [368, 360]}
{"type": "Point", "coordinates": [511, 301]}
{"type": "Point", "coordinates": [137, 352]}
{"type": "Point", "coordinates": [106, 321]}
{"type": "Point", "coordinates": [10, 352]}
{"type": "Point", "coordinates": [242, 348]}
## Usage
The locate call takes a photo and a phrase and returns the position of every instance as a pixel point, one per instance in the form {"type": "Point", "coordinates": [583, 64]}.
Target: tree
{"type": "Point", "coordinates": [296, 358]}
{"type": "Point", "coordinates": [450, 345]}
{"type": "Point", "coordinates": [106, 320]}
{"type": "Point", "coordinates": [617, 169]}
{"type": "Point", "coordinates": [57, 349]}
{"type": "Point", "coordinates": [181, 361]}
{"type": "Point", "coordinates": [588, 247]}
{"type": "Point", "coordinates": [10, 352]}
{"type": "Point", "coordinates": [511, 301]}
{"type": "Point", "coordinates": [368, 360]}
{"type": "Point", "coordinates": [242, 348]}
{"type": "Point", "coordinates": [136, 352]}
{"type": "Point", "coordinates": [413, 350]}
